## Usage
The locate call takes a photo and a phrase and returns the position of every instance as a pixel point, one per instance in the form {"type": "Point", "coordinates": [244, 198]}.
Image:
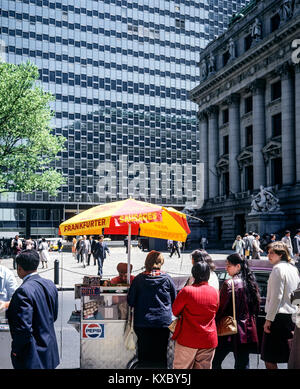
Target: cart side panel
{"type": "Point", "coordinates": [106, 350]}
{"type": "Point", "coordinates": [5, 347]}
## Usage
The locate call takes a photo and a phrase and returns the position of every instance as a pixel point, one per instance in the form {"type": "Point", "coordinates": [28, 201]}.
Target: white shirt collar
{"type": "Point", "coordinates": [28, 275]}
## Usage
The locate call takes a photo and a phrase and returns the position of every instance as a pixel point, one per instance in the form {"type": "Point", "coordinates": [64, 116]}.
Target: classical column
{"type": "Point", "coordinates": [297, 120]}
{"type": "Point", "coordinates": [287, 119]}
{"type": "Point", "coordinates": [234, 143]}
{"type": "Point", "coordinates": [259, 169]}
{"type": "Point", "coordinates": [203, 127]}
{"type": "Point", "coordinates": [213, 151]}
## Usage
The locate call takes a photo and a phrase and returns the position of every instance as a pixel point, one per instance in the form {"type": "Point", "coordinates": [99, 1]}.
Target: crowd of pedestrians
{"type": "Point", "coordinates": [200, 307]}
{"type": "Point", "coordinates": [251, 246]}
{"type": "Point", "coordinates": [83, 249]}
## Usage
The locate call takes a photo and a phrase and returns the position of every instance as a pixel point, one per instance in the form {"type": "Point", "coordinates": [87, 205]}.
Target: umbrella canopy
{"type": "Point", "coordinates": [144, 218]}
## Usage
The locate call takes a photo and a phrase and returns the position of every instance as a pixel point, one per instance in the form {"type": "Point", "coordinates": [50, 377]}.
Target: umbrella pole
{"type": "Point", "coordinates": [129, 254]}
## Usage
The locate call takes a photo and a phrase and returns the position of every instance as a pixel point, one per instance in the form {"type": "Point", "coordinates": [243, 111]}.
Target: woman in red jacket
{"type": "Point", "coordinates": [197, 305]}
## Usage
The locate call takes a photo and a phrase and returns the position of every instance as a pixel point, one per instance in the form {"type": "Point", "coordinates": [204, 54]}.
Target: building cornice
{"type": "Point", "coordinates": [235, 71]}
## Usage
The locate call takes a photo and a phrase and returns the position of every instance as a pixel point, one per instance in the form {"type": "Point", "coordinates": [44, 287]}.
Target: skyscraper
{"type": "Point", "coordinates": [120, 71]}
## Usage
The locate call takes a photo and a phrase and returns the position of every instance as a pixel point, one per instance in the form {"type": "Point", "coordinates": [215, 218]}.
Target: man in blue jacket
{"type": "Point", "coordinates": [31, 315]}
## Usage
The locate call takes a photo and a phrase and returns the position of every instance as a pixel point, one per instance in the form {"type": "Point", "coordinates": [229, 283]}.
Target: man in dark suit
{"type": "Point", "coordinates": [175, 247]}
{"type": "Point", "coordinates": [100, 253]}
{"type": "Point", "coordinates": [31, 315]}
{"type": "Point", "coordinates": [296, 246]}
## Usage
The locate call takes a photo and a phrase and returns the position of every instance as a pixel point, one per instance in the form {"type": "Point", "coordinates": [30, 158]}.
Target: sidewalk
{"type": "Point", "coordinates": [71, 272]}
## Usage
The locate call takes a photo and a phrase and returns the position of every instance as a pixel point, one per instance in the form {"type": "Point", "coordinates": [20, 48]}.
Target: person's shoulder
{"type": "Point", "coordinates": [139, 277]}
{"type": "Point", "coordinates": [279, 269]}
{"type": "Point", "coordinates": [38, 279]}
{"type": "Point", "coordinates": [227, 284]}
{"type": "Point", "coordinates": [210, 289]}
{"type": "Point", "coordinates": [167, 277]}
{"type": "Point", "coordinates": [6, 271]}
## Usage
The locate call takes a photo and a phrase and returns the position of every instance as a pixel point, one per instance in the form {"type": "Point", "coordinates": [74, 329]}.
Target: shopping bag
{"type": "Point", "coordinates": [173, 325]}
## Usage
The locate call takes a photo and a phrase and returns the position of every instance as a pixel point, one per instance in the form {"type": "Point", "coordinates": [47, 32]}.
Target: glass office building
{"type": "Point", "coordinates": [120, 71]}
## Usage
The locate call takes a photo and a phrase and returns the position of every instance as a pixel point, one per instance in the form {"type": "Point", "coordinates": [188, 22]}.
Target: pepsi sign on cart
{"type": "Point", "coordinates": [93, 331]}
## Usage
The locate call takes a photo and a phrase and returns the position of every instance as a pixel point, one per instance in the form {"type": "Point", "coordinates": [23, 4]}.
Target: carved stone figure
{"type": "Point", "coordinates": [231, 49]}
{"type": "Point", "coordinates": [296, 10]}
{"type": "Point", "coordinates": [211, 64]}
{"type": "Point", "coordinates": [203, 68]}
{"type": "Point", "coordinates": [264, 202]}
{"type": "Point", "coordinates": [256, 33]}
{"type": "Point", "coordinates": [286, 10]}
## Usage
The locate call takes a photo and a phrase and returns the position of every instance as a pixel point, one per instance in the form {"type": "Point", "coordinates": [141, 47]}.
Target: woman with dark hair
{"type": "Point", "coordinates": [151, 294]}
{"type": "Point", "coordinates": [203, 256]}
{"type": "Point", "coordinates": [279, 327]}
{"type": "Point", "coordinates": [197, 305]}
{"type": "Point", "coordinates": [247, 301]}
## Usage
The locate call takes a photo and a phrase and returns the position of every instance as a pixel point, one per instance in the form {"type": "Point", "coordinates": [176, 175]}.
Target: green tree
{"type": "Point", "coordinates": [27, 145]}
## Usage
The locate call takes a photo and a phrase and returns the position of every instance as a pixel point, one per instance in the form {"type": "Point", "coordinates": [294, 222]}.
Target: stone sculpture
{"type": "Point", "coordinates": [211, 64]}
{"type": "Point", "coordinates": [231, 49]}
{"type": "Point", "coordinates": [203, 69]}
{"type": "Point", "coordinates": [264, 202]}
{"type": "Point", "coordinates": [256, 32]}
{"type": "Point", "coordinates": [286, 10]}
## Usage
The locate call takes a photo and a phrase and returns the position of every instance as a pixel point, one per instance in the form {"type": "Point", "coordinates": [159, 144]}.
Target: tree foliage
{"type": "Point", "coordinates": [27, 146]}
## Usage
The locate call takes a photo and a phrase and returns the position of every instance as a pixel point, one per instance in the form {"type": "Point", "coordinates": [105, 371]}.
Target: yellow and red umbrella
{"type": "Point", "coordinates": [129, 217]}
{"type": "Point", "coordinates": [144, 218]}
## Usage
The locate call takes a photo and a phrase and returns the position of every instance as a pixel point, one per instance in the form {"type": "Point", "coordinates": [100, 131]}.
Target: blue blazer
{"type": "Point", "coordinates": [100, 250]}
{"type": "Point", "coordinates": [31, 315]}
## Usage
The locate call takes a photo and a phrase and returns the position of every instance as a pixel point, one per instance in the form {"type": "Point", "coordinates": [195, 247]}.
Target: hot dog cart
{"type": "Point", "coordinates": [101, 323]}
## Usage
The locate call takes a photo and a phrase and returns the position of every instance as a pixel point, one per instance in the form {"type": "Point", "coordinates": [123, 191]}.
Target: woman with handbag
{"type": "Point", "coordinates": [151, 294]}
{"type": "Point", "coordinates": [279, 326]}
{"type": "Point", "coordinates": [196, 338]}
{"type": "Point", "coordinates": [239, 297]}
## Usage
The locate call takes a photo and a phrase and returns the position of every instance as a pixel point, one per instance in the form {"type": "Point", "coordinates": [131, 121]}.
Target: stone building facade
{"type": "Point", "coordinates": [249, 120]}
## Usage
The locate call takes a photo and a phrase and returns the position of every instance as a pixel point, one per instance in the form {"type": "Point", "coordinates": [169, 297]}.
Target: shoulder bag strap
{"type": "Point", "coordinates": [131, 319]}
{"type": "Point", "coordinates": [233, 298]}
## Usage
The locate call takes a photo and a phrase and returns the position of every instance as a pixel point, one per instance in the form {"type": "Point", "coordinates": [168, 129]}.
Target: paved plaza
{"type": "Point", "coordinates": [71, 272]}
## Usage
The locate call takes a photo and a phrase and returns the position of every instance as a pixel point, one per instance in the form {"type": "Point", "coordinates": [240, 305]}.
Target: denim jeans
{"type": "Point", "coordinates": [100, 265]}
